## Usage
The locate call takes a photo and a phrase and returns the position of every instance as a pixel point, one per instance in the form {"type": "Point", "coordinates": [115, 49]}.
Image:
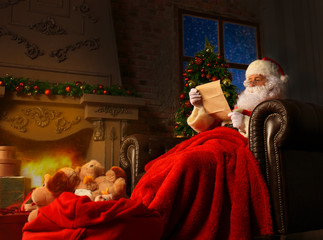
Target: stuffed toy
{"type": "Point", "coordinates": [88, 173]}
{"type": "Point", "coordinates": [65, 180]}
{"type": "Point", "coordinates": [112, 186]}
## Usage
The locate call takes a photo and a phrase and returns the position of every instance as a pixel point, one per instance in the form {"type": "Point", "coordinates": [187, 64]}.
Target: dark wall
{"type": "Point", "coordinates": [147, 43]}
{"type": "Point", "coordinates": [292, 33]}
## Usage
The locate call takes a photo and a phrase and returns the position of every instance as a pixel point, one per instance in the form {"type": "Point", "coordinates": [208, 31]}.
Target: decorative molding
{"type": "Point", "coordinates": [61, 54]}
{"type": "Point", "coordinates": [113, 135]}
{"type": "Point", "coordinates": [17, 122]}
{"type": "Point", "coordinates": [63, 125]}
{"type": "Point", "coordinates": [113, 110]}
{"type": "Point", "coordinates": [85, 11]}
{"type": "Point", "coordinates": [48, 26]}
{"type": "Point", "coordinates": [41, 116]}
{"type": "Point", "coordinates": [10, 3]}
{"type": "Point", "coordinates": [32, 50]}
{"type": "Point", "coordinates": [98, 130]}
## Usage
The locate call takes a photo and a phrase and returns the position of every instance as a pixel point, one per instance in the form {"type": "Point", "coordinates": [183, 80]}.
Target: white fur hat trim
{"type": "Point", "coordinates": [266, 67]}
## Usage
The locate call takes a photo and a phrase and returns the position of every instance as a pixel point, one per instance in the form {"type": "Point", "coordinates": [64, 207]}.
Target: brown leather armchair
{"type": "Point", "coordinates": [286, 136]}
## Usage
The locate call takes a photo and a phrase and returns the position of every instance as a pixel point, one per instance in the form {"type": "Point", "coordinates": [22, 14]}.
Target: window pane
{"type": "Point", "coordinates": [238, 77]}
{"type": "Point", "coordinates": [240, 44]}
{"type": "Point", "coordinates": [195, 30]}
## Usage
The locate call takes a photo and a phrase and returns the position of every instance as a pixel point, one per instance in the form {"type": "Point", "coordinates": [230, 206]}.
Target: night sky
{"type": "Point", "coordinates": [239, 42]}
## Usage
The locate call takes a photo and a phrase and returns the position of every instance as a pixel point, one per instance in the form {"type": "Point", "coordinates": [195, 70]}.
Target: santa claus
{"type": "Point", "coordinates": [265, 80]}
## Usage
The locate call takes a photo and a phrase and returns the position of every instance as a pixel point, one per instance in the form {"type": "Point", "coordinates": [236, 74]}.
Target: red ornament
{"type": "Point", "coordinates": [100, 86]}
{"type": "Point", "coordinates": [105, 92]}
{"type": "Point", "coordinates": [208, 76]}
{"type": "Point", "coordinates": [202, 75]}
{"type": "Point", "coordinates": [36, 87]}
{"type": "Point", "coordinates": [128, 92]}
{"type": "Point", "coordinates": [19, 89]}
{"type": "Point", "coordinates": [202, 70]}
{"type": "Point", "coordinates": [68, 89]}
{"type": "Point", "coordinates": [198, 61]}
{"type": "Point", "coordinates": [208, 64]}
{"type": "Point", "coordinates": [187, 104]}
{"type": "Point", "coordinates": [21, 84]}
{"type": "Point", "coordinates": [184, 74]}
{"type": "Point", "coordinates": [94, 91]}
{"type": "Point", "coordinates": [190, 70]}
{"type": "Point", "coordinates": [186, 79]}
{"type": "Point", "coordinates": [78, 83]}
{"type": "Point", "coordinates": [214, 78]}
{"type": "Point", "coordinates": [48, 92]}
{"type": "Point", "coordinates": [182, 96]}
{"type": "Point", "coordinates": [2, 83]}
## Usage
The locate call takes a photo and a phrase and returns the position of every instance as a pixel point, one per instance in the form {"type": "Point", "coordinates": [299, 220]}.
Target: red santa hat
{"type": "Point", "coordinates": [266, 67]}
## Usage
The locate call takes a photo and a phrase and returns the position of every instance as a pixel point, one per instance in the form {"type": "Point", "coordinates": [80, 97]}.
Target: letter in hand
{"type": "Point", "coordinates": [195, 98]}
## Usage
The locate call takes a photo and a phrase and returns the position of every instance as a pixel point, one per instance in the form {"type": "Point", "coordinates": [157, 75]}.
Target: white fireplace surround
{"type": "Point", "coordinates": [44, 118]}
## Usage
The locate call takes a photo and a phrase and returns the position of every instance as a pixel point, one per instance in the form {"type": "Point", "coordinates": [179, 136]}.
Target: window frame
{"type": "Point", "coordinates": [221, 20]}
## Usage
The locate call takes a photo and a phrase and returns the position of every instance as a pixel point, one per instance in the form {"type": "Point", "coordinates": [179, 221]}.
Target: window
{"type": "Point", "coordinates": [236, 41]}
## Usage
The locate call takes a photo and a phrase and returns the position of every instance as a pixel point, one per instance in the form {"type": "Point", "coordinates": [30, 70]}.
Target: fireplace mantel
{"type": "Point", "coordinates": [44, 118]}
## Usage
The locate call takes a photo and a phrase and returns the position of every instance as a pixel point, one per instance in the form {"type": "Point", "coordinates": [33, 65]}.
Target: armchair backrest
{"type": "Point", "coordinates": [286, 136]}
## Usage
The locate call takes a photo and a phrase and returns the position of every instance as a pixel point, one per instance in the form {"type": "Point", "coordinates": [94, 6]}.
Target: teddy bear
{"type": "Point", "coordinates": [87, 173]}
{"type": "Point", "coordinates": [112, 186]}
{"type": "Point", "coordinates": [64, 180]}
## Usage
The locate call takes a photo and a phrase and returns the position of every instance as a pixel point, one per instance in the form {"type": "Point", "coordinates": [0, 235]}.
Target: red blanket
{"type": "Point", "coordinates": [208, 187]}
{"type": "Point", "coordinates": [74, 217]}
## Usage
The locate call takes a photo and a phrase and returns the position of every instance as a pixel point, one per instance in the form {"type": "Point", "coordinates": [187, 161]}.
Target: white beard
{"type": "Point", "coordinates": [252, 96]}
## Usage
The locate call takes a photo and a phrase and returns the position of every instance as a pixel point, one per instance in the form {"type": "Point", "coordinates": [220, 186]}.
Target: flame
{"type": "Point", "coordinates": [36, 168]}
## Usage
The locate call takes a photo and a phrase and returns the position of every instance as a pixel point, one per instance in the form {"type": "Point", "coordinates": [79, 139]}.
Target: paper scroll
{"type": "Point", "coordinates": [214, 101]}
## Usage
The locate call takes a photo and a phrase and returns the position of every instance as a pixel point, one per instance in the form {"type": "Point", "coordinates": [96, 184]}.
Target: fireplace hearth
{"type": "Point", "coordinates": [52, 132]}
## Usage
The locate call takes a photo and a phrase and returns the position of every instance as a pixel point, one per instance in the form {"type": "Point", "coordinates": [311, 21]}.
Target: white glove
{"type": "Point", "coordinates": [237, 119]}
{"type": "Point", "coordinates": [195, 98]}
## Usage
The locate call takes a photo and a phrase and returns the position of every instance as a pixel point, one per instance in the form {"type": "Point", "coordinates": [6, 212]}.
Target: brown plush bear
{"type": "Point", "coordinates": [87, 174]}
{"type": "Point", "coordinates": [111, 186]}
{"type": "Point", "coordinates": [65, 180]}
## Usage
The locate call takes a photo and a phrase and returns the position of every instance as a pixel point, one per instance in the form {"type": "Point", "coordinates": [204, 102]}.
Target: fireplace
{"type": "Point", "coordinates": [58, 131]}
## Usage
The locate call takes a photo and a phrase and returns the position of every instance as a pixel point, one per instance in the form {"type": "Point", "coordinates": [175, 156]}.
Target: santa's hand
{"type": "Point", "coordinates": [195, 98]}
{"type": "Point", "coordinates": [237, 119]}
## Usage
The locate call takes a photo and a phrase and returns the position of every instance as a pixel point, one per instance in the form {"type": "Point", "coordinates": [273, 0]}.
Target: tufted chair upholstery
{"type": "Point", "coordinates": [286, 136]}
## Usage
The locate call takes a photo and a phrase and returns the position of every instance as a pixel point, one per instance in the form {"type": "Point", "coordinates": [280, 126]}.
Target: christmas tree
{"type": "Point", "coordinates": [205, 67]}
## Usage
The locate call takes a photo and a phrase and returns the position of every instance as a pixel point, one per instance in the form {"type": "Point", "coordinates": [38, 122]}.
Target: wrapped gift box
{"type": "Point", "coordinates": [13, 190]}
{"type": "Point", "coordinates": [9, 165]}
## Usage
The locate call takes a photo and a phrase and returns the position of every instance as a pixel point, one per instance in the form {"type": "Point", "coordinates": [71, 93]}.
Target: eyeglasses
{"type": "Point", "coordinates": [256, 80]}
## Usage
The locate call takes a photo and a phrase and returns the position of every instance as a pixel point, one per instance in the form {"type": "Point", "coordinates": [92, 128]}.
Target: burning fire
{"type": "Point", "coordinates": [36, 168]}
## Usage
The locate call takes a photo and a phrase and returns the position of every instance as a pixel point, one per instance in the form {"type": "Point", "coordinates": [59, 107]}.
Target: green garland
{"type": "Point", "coordinates": [23, 86]}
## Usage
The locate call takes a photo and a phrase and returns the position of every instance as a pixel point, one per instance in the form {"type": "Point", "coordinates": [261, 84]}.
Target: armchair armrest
{"type": "Point", "coordinates": [139, 149]}
{"type": "Point", "coordinates": [286, 138]}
